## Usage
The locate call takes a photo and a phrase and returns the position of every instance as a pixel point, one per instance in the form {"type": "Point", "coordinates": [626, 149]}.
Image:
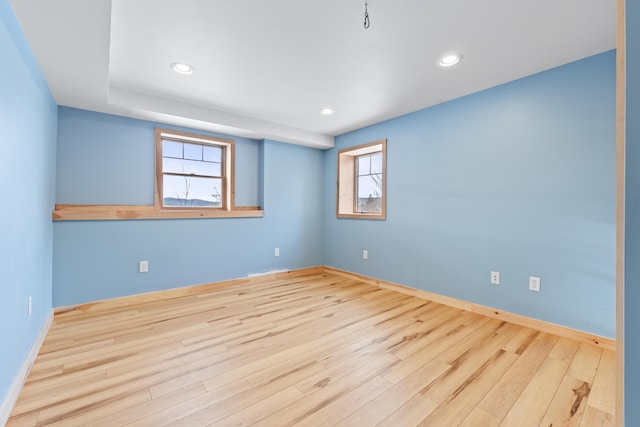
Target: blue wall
{"type": "Point", "coordinates": [519, 179]}
{"type": "Point", "coordinates": [632, 219]}
{"type": "Point", "coordinates": [104, 159]}
{"type": "Point", "coordinates": [27, 175]}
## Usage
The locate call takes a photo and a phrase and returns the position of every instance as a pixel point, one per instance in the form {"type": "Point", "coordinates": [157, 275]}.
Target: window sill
{"type": "Point", "coordinates": [362, 216]}
{"type": "Point", "coordinates": [128, 212]}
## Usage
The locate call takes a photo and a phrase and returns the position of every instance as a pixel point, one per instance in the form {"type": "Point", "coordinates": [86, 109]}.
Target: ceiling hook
{"type": "Point", "coordinates": [367, 23]}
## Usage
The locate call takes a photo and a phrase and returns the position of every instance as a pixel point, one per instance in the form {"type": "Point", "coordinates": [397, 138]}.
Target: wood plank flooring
{"type": "Point", "coordinates": [316, 350]}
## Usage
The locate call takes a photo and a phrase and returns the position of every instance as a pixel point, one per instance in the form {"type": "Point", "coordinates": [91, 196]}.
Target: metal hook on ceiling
{"type": "Point", "coordinates": [367, 22]}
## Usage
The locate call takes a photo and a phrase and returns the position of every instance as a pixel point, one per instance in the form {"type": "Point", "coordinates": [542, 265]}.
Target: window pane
{"type": "Point", "coordinates": [364, 164]}
{"type": "Point", "coordinates": [171, 149]}
{"type": "Point", "coordinates": [193, 151]}
{"type": "Point", "coordinates": [189, 191]}
{"type": "Point", "coordinates": [212, 154]}
{"type": "Point", "coordinates": [189, 167]}
{"type": "Point", "coordinates": [369, 193]}
{"type": "Point", "coordinates": [376, 162]}
{"type": "Point", "coordinates": [369, 186]}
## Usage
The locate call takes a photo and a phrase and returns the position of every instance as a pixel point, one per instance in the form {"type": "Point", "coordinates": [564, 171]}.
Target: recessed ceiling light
{"type": "Point", "coordinates": [449, 60]}
{"type": "Point", "coordinates": [182, 68]}
{"type": "Point", "coordinates": [326, 111]}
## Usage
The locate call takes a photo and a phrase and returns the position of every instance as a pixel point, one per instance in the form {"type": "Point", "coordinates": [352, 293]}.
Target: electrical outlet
{"type": "Point", "coordinates": [495, 278]}
{"type": "Point", "coordinates": [30, 304]}
{"type": "Point", "coordinates": [276, 252]}
{"type": "Point", "coordinates": [143, 266]}
{"type": "Point", "coordinates": [534, 284]}
{"type": "Point", "coordinates": [365, 254]}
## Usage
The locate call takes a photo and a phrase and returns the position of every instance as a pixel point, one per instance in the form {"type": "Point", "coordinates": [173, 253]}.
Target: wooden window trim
{"type": "Point", "coordinates": [228, 165]}
{"type": "Point", "coordinates": [346, 185]}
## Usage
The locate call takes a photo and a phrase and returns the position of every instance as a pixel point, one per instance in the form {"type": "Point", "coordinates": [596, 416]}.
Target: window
{"type": "Point", "coordinates": [362, 181]}
{"type": "Point", "coordinates": [193, 171]}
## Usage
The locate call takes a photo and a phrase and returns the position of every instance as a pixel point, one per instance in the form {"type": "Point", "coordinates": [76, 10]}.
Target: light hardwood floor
{"type": "Point", "coordinates": [316, 350]}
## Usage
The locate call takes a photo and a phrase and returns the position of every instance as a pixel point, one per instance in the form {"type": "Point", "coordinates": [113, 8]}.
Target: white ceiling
{"type": "Point", "coordinates": [264, 69]}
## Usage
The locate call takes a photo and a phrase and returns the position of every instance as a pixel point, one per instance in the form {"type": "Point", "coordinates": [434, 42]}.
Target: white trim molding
{"type": "Point", "coordinates": [14, 392]}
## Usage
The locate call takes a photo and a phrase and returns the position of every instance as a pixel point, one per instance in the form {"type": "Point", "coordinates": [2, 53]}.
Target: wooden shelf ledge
{"type": "Point", "coordinates": [128, 212]}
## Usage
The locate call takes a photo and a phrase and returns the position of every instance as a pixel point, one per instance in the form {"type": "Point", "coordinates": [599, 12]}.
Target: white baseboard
{"type": "Point", "coordinates": [14, 392]}
{"type": "Point", "coordinates": [267, 273]}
